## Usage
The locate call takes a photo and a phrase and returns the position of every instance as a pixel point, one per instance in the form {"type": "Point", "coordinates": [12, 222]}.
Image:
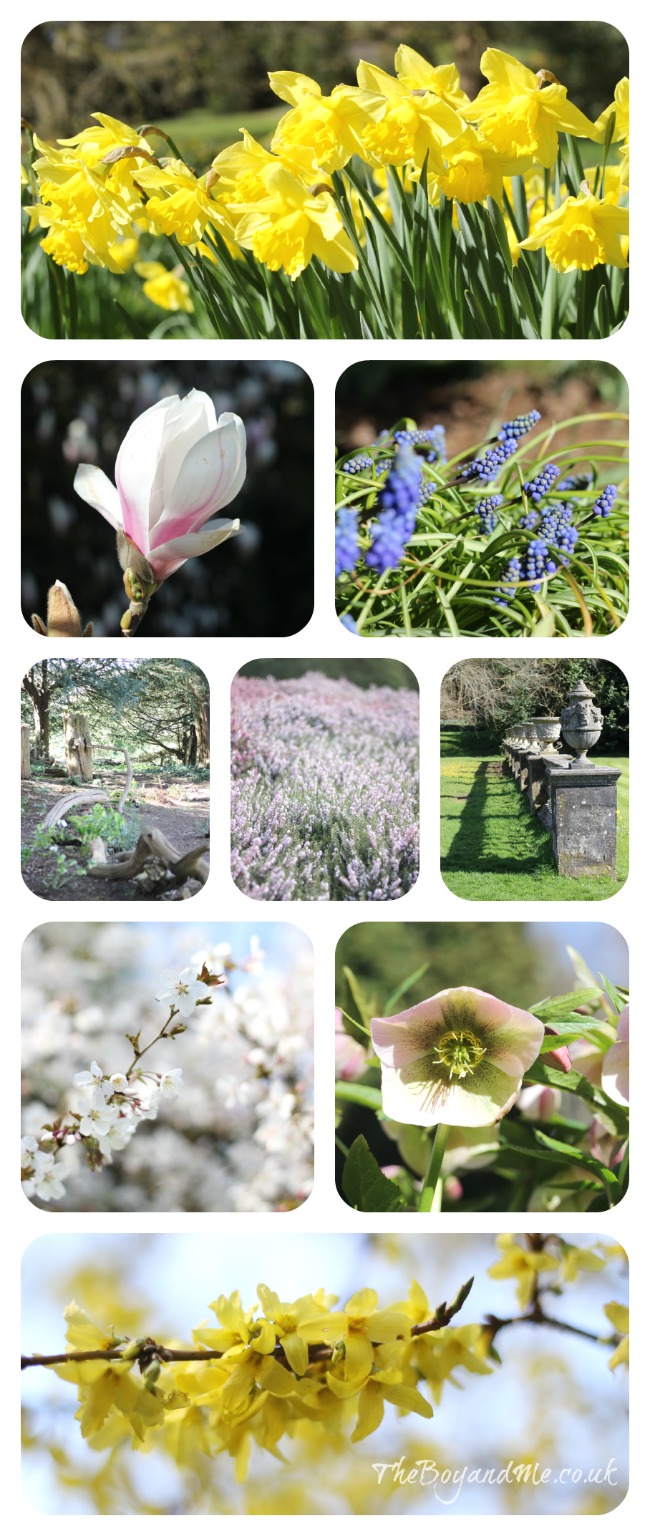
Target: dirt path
{"type": "Point", "coordinates": [179, 808]}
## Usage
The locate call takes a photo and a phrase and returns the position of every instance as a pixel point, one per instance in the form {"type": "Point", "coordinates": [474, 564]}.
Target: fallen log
{"type": "Point", "coordinates": [67, 803]}
{"type": "Point", "coordinates": [151, 848]}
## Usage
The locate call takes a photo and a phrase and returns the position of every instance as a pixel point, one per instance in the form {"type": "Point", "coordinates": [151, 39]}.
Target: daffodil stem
{"type": "Point", "coordinates": [431, 1196]}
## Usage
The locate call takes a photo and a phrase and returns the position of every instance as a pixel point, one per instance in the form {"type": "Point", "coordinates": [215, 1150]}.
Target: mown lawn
{"type": "Point", "coordinates": [492, 848]}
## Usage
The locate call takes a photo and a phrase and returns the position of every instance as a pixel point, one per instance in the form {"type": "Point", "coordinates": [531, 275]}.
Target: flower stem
{"type": "Point", "coordinates": [431, 1196]}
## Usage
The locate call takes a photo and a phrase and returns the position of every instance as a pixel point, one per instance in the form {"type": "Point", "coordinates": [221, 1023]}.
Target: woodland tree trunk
{"type": "Point", "coordinates": [40, 693]}
{"type": "Point", "coordinates": [78, 746]}
{"type": "Point", "coordinates": [201, 712]}
{"type": "Point", "coordinates": [25, 765]}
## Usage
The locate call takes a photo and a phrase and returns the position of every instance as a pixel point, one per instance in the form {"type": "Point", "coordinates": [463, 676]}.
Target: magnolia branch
{"type": "Point", "coordinates": [150, 1350]}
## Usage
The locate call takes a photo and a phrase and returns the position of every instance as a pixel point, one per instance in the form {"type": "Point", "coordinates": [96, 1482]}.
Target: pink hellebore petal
{"type": "Point", "coordinates": [176, 467]}
{"type": "Point", "coordinates": [350, 1057]}
{"type": "Point", "coordinates": [561, 1057]}
{"type": "Point", "coordinates": [457, 1058]}
{"type": "Point", "coordinates": [616, 1064]}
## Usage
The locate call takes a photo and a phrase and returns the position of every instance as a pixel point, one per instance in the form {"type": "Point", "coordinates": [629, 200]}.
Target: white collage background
{"type": "Point", "coordinates": [429, 900]}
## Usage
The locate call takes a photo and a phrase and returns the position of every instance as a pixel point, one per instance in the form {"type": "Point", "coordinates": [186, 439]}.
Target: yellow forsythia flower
{"type": "Point", "coordinates": [521, 116]}
{"type": "Point", "coordinates": [619, 1316]}
{"type": "Point", "coordinates": [521, 1264]}
{"type": "Point", "coordinates": [581, 234]}
{"type": "Point", "coordinates": [576, 1259]}
{"type": "Point", "coordinates": [166, 289]}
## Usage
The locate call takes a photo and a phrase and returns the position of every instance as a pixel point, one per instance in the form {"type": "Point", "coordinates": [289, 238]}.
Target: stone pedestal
{"type": "Point", "coordinates": [538, 784]}
{"type": "Point", "coordinates": [583, 810]}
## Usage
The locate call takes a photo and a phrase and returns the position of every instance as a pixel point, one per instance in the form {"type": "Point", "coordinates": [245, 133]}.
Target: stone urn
{"type": "Point", "coordinates": [582, 724]}
{"type": "Point", "coordinates": [548, 732]}
{"type": "Point", "coordinates": [531, 743]}
{"type": "Point", "coordinates": [518, 734]}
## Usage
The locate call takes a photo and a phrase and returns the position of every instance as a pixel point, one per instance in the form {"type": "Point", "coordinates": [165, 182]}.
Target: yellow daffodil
{"type": "Point", "coordinates": [92, 144]}
{"type": "Point", "coordinates": [581, 234]}
{"type": "Point", "coordinates": [472, 171]}
{"type": "Point", "coordinates": [520, 115]}
{"type": "Point", "coordinates": [168, 290]}
{"type": "Point", "coordinates": [404, 124]}
{"type": "Point", "coordinates": [521, 1264]}
{"type": "Point", "coordinates": [291, 224]}
{"type": "Point", "coordinates": [620, 106]}
{"type": "Point", "coordinates": [184, 207]}
{"type": "Point", "coordinates": [442, 80]}
{"type": "Point", "coordinates": [330, 126]}
{"type": "Point", "coordinates": [619, 1316]}
{"type": "Point", "coordinates": [84, 209]}
{"type": "Point", "coordinates": [123, 253]}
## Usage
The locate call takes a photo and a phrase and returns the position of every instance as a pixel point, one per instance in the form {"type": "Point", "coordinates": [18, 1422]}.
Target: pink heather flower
{"type": "Point", "coordinates": [616, 1064]}
{"type": "Point", "coordinates": [176, 467]}
{"type": "Point", "coordinates": [350, 1057]}
{"type": "Point", "coordinates": [457, 1058]}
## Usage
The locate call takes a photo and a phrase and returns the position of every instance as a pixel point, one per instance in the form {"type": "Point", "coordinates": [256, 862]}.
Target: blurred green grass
{"type": "Point", "coordinates": [201, 134]}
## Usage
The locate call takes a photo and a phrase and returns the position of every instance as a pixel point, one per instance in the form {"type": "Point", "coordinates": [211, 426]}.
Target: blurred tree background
{"type": "Point", "coordinates": [158, 709]}
{"type": "Point", "coordinates": [471, 399]}
{"type": "Point", "coordinates": [259, 583]}
{"type": "Point", "coordinates": [484, 697]}
{"type": "Point", "coordinates": [510, 959]}
{"type": "Point", "coordinates": [210, 76]}
{"type": "Point", "coordinates": [365, 674]}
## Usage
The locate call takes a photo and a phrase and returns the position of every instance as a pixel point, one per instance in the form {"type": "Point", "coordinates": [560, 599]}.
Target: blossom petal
{"type": "Point", "coordinates": [211, 475]}
{"type": "Point", "coordinates": [135, 470]}
{"type": "Point", "coordinates": [168, 557]}
{"type": "Point", "coordinates": [95, 487]}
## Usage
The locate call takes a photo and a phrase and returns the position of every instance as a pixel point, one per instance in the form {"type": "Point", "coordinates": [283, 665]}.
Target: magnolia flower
{"type": "Point", "coordinates": [457, 1058]}
{"type": "Point", "coordinates": [176, 467]}
{"type": "Point", "coordinates": [616, 1064]}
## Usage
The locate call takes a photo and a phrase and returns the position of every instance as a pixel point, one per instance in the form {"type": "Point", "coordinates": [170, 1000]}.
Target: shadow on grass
{"type": "Point", "coordinates": [466, 741]}
{"type": "Point", "coordinates": [497, 833]}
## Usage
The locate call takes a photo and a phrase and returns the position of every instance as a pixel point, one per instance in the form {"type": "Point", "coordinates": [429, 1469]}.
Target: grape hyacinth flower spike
{"type": "Point", "coordinates": [176, 467]}
{"type": "Point", "coordinates": [399, 500]}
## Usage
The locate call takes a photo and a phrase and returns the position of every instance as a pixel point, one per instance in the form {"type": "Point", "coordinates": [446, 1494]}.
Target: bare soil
{"type": "Point", "coordinates": [179, 808]}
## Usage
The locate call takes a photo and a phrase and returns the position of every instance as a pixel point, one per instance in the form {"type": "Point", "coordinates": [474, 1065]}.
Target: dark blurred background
{"type": "Point", "coordinates": [471, 399]}
{"type": "Point", "coordinates": [365, 674]}
{"type": "Point", "coordinates": [209, 77]}
{"type": "Point", "coordinates": [259, 583]}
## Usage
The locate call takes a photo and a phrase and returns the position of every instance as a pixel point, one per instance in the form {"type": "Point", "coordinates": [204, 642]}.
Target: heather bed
{"type": "Point", "coordinates": [324, 789]}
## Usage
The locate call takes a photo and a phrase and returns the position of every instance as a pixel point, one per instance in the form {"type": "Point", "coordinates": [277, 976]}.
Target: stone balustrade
{"type": "Point", "coordinates": [573, 797]}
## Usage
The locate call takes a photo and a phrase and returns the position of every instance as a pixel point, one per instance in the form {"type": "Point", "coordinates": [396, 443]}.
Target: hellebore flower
{"type": "Point", "coordinates": [457, 1059]}
{"type": "Point", "coordinates": [616, 1064]}
{"type": "Point", "coordinates": [350, 1057]}
{"type": "Point", "coordinates": [176, 467]}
